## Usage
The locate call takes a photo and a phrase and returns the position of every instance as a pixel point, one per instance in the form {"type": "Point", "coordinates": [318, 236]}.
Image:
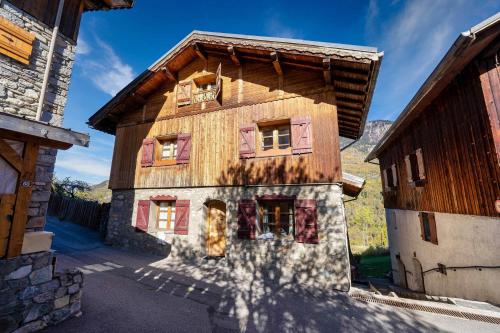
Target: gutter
{"type": "Point", "coordinates": [50, 56]}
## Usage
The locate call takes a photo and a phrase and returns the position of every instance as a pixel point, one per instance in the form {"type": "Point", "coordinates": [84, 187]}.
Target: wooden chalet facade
{"type": "Point", "coordinates": [440, 165]}
{"type": "Point", "coordinates": [229, 146]}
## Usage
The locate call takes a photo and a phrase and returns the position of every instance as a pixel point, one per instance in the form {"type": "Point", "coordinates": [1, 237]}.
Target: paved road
{"type": "Point", "coordinates": [127, 292]}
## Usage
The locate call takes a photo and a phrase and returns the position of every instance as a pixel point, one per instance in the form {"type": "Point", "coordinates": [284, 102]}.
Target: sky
{"type": "Point", "coordinates": [116, 46]}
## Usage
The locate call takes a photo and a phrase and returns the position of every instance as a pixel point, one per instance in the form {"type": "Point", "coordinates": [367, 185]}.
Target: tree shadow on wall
{"type": "Point", "coordinates": [282, 285]}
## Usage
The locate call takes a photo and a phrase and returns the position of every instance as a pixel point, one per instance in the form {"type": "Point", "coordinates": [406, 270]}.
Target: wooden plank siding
{"type": "Point", "coordinates": [252, 92]}
{"type": "Point", "coordinates": [461, 168]}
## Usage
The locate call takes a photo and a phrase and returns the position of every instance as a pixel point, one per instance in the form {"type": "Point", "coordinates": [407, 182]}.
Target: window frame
{"type": "Point", "coordinates": [415, 168]}
{"type": "Point", "coordinates": [428, 233]}
{"type": "Point", "coordinates": [170, 221]}
{"type": "Point", "coordinates": [275, 126]}
{"type": "Point", "coordinates": [276, 205]}
{"type": "Point", "coordinates": [160, 142]}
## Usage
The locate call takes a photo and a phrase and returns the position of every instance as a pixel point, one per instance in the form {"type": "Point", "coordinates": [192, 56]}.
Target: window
{"type": "Point", "coordinates": [277, 218]}
{"type": "Point", "coordinates": [166, 151]}
{"type": "Point", "coordinates": [166, 216]}
{"type": "Point", "coordinates": [428, 227]}
{"type": "Point", "coordinates": [390, 178]}
{"type": "Point", "coordinates": [275, 139]}
{"type": "Point", "coordinates": [415, 167]}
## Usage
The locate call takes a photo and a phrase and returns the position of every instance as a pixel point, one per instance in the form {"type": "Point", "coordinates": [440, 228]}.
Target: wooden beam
{"type": "Point", "coordinates": [139, 98]}
{"type": "Point", "coordinates": [343, 102]}
{"type": "Point", "coordinates": [200, 52]}
{"type": "Point", "coordinates": [171, 76]}
{"type": "Point", "coordinates": [327, 74]}
{"type": "Point", "coordinates": [36, 129]}
{"type": "Point", "coordinates": [276, 63]}
{"type": "Point", "coordinates": [10, 155]}
{"type": "Point", "coordinates": [233, 56]}
{"type": "Point", "coordinates": [24, 188]}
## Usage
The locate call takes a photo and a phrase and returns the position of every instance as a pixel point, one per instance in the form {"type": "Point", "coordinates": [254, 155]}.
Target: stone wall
{"type": "Point", "coordinates": [324, 265]}
{"type": "Point", "coordinates": [20, 87]}
{"type": "Point", "coordinates": [31, 297]}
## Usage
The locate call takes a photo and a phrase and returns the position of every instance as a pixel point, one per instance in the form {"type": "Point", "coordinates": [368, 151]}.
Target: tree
{"type": "Point", "coordinates": [70, 187]}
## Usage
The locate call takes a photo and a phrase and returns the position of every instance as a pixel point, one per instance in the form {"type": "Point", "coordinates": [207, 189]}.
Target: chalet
{"type": "Point", "coordinates": [441, 174]}
{"type": "Point", "coordinates": [228, 145]}
{"type": "Point", "coordinates": [37, 50]}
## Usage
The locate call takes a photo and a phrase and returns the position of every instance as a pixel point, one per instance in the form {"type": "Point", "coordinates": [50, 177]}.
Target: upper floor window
{"type": "Point", "coordinates": [166, 216]}
{"type": "Point", "coordinates": [168, 149]}
{"type": "Point", "coordinates": [278, 137]}
{"type": "Point", "coordinates": [275, 138]}
{"type": "Point", "coordinates": [415, 167]}
{"type": "Point", "coordinates": [390, 178]}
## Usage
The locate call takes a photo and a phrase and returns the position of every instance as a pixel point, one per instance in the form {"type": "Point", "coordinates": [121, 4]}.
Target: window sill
{"type": "Point", "coordinates": [274, 153]}
{"type": "Point", "coordinates": [165, 163]}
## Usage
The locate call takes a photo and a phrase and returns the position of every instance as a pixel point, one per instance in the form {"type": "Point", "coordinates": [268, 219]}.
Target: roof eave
{"type": "Point", "coordinates": [463, 41]}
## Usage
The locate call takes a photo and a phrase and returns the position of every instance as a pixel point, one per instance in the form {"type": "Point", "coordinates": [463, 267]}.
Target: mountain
{"type": "Point", "coordinates": [100, 192]}
{"type": "Point", "coordinates": [365, 215]}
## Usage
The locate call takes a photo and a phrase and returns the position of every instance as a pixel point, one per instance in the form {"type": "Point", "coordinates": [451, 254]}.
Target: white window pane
{"type": "Point", "coordinates": [162, 224]}
{"type": "Point", "coordinates": [172, 216]}
{"type": "Point", "coordinates": [163, 215]}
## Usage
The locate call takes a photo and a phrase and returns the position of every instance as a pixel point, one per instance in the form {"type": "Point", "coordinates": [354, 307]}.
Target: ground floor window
{"type": "Point", "coordinates": [277, 218]}
{"type": "Point", "coordinates": [428, 227]}
{"type": "Point", "coordinates": [166, 216]}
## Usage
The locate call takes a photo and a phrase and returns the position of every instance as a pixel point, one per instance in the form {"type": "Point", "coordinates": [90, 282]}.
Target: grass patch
{"type": "Point", "coordinates": [375, 266]}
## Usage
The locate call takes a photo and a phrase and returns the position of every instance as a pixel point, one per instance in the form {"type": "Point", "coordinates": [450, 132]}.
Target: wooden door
{"type": "Point", "coordinates": [216, 229]}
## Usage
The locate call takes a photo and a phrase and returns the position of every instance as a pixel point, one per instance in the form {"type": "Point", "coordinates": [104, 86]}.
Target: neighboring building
{"type": "Point", "coordinates": [37, 49]}
{"type": "Point", "coordinates": [441, 174]}
{"type": "Point", "coordinates": [229, 146]}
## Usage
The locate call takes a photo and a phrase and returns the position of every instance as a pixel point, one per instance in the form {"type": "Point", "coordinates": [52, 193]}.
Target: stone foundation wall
{"type": "Point", "coordinates": [20, 87]}
{"type": "Point", "coordinates": [31, 297]}
{"type": "Point", "coordinates": [324, 265]}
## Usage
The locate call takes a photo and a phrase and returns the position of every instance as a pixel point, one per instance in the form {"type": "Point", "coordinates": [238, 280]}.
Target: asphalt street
{"type": "Point", "coordinates": [131, 292]}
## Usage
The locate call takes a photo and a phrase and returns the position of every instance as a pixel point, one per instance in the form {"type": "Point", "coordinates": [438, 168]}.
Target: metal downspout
{"type": "Point", "coordinates": [49, 60]}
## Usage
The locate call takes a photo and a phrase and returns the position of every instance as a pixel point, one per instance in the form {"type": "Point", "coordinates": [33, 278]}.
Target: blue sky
{"type": "Point", "coordinates": [116, 46]}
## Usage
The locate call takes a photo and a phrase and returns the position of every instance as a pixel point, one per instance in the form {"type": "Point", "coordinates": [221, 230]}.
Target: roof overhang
{"type": "Point", "coordinates": [17, 128]}
{"type": "Point", "coordinates": [352, 185]}
{"type": "Point", "coordinates": [352, 70]}
{"type": "Point", "coordinates": [465, 48]}
{"type": "Point", "coordinates": [92, 5]}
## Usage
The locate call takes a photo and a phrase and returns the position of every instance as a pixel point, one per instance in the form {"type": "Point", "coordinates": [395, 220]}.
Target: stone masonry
{"type": "Point", "coordinates": [320, 265]}
{"type": "Point", "coordinates": [32, 297]}
{"type": "Point", "coordinates": [20, 87]}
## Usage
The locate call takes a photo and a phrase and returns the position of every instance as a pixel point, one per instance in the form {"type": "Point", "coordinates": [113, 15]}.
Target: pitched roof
{"type": "Point", "coordinates": [467, 46]}
{"type": "Point", "coordinates": [353, 70]}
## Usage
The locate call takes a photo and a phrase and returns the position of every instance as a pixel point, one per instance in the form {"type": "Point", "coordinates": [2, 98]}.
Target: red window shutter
{"type": "Point", "coordinates": [301, 135]}
{"type": "Point", "coordinates": [181, 217]}
{"type": "Point", "coordinates": [183, 148]}
{"type": "Point", "coordinates": [218, 81]}
{"type": "Point", "coordinates": [247, 216]}
{"type": "Point", "coordinates": [421, 219]}
{"type": "Point", "coordinates": [306, 221]}
{"type": "Point", "coordinates": [147, 152]}
{"type": "Point", "coordinates": [247, 141]}
{"type": "Point", "coordinates": [142, 219]}
{"type": "Point", "coordinates": [432, 228]}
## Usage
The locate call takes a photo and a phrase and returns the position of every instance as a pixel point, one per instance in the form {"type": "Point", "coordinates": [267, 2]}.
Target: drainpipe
{"type": "Point", "coordinates": [49, 60]}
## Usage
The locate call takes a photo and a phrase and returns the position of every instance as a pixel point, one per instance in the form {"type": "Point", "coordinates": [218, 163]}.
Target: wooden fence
{"type": "Point", "coordinates": [91, 214]}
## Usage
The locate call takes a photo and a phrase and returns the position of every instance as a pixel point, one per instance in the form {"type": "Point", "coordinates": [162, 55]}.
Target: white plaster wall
{"type": "Point", "coordinates": [463, 240]}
